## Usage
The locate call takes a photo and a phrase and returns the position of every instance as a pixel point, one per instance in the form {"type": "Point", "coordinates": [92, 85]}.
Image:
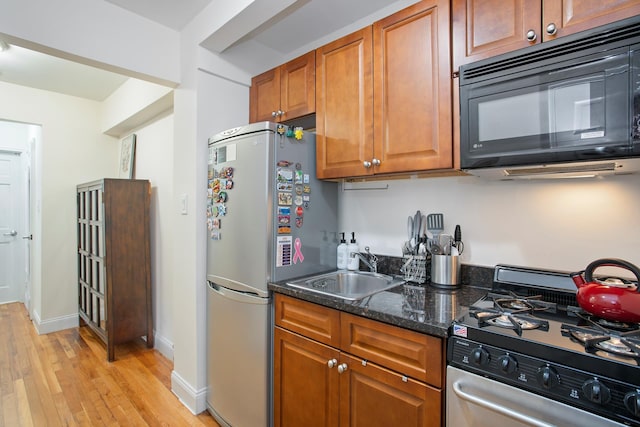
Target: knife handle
{"type": "Point", "coordinates": [457, 234]}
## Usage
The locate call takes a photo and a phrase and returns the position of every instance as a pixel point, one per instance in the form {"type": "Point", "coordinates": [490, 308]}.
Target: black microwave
{"type": "Point", "coordinates": [570, 104]}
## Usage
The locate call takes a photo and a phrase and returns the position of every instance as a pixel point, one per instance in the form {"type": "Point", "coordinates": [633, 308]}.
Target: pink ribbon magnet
{"type": "Point", "coordinates": [297, 256]}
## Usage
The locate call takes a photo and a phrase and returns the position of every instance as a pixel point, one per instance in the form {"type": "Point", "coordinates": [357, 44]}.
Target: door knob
{"type": "Point", "coordinates": [12, 233]}
{"type": "Point", "coordinates": [366, 164]}
{"type": "Point", "coordinates": [331, 363]}
{"type": "Point", "coordinates": [375, 162]}
{"type": "Point", "coordinates": [29, 237]}
{"type": "Point", "coordinates": [531, 36]}
{"type": "Point", "coordinates": [552, 29]}
{"type": "Point", "coordinates": [342, 368]}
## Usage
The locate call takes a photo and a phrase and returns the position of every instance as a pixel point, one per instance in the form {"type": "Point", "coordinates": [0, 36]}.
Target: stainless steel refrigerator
{"type": "Point", "coordinates": [268, 219]}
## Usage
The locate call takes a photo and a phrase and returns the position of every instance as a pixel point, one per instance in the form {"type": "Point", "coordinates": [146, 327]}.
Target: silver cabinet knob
{"type": "Point", "coordinates": [342, 368]}
{"type": "Point", "coordinates": [375, 162]}
{"type": "Point", "coordinates": [274, 114]}
{"type": "Point", "coordinates": [12, 233]}
{"type": "Point", "coordinates": [531, 35]}
{"type": "Point", "coordinates": [331, 363]}
{"type": "Point", "coordinates": [366, 164]}
{"type": "Point", "coordinates": [552, 29]}
{"type": "Point", "coordinates": [280, 113]}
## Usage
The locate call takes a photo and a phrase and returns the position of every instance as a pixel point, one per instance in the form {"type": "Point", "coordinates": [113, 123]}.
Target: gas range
{"type": "Point", "coordinates": [528, 332]}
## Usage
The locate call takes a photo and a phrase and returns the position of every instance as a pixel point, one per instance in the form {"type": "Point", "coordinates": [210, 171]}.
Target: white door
{"type": "Point", "coordinates": [11, 242]}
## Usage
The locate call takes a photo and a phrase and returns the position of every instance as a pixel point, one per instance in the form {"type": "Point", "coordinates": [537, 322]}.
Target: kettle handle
{"type": "Point", "coordinates": [611, 262]}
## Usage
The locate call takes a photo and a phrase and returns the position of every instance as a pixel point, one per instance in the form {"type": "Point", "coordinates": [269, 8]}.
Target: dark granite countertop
{"type": "Point", "coordinates": [441, 306]}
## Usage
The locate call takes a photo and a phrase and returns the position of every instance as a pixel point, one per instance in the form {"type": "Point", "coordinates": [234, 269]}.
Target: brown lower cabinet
{"type": "Point", "coordinates": [319, 384]}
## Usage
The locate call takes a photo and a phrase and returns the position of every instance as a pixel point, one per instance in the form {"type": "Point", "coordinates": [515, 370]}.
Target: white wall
{"type": "Point", "coordinates": [557, 224]}
{"type": "Point", "coordinates": [153, 161]}
{"type": "Point", "coordinates": [72, 151]}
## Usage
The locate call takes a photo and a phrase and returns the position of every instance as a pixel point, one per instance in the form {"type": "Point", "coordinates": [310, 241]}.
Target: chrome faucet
{"type": "Point", "coordinates": [370, 260]}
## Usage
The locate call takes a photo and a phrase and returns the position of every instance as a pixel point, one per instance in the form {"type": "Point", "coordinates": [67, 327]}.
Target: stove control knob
{"type": "Point", "coordinates": [596, 391]}
{"type": "Point", "coordinates": [548, 377]}
{"type": "Point", "coordinates": [480, 356]}
{"type": "Point", "coordinates": [632, 402]}
{"type": "Point", "coordinates": [507, 364]}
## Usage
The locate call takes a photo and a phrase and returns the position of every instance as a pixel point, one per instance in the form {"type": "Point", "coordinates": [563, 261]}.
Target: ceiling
{"type": "Point", "coordinates": [301, 24]}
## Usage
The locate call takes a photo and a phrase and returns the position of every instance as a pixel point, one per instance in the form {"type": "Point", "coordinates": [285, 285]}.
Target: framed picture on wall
{"type": "Point", "coordinates": [127, 156]}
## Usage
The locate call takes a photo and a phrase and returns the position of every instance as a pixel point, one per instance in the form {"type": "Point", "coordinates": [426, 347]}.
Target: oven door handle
{"type": "Point", "coordinates": [497, 408]}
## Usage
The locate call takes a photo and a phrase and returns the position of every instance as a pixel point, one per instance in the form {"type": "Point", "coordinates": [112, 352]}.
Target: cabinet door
{"type": "Point", "coordinates": [264, 96]}
{"type": "Point", "coordinates": [379, 397]}
{"type": "Point", "coordinates": [412, 89]}
{"type": "Point", "coordinates": [344, 106]}
{"type": "Point", "coordinates": [306, 389]}
{"type": "Point", "coordinates": [297, 87]}
{"type": "Point", "coordinates": [482, 29]}
{"type": "Point", "coordinates": [572, 16]}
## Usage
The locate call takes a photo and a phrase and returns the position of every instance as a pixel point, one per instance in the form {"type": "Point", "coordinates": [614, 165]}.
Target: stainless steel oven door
{"type": "Point", "coordinates": [473, 400]}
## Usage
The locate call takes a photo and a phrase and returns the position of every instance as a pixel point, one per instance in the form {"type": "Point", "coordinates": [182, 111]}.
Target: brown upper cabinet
{"type": "Point", "coordinates": [485, 28]}
{"type": "Point", "coordinates": [384, 96]}
{"type": "Point", "coordinates": [285, 92]}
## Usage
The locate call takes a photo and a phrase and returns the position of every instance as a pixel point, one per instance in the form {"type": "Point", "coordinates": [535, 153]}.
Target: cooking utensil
{"type": "Point", "coordinates": [612, 299]}
{"type": "Point", "coordinates": [446, 241]}
{"type": "Point", "coordinates": [457, 241]}
{"type": "Point", "coordinates": [417, 225]}
{"type": "Point", "coordinates": [435, 225]}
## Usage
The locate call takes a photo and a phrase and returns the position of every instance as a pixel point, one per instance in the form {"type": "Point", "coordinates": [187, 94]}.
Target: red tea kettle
{"type": "Point", "coordinates": [611, 299]}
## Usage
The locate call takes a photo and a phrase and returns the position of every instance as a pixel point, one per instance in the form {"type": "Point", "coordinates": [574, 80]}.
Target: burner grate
{"type": "Point", "coordinates": [512, 312]}
{"type": "Point", "coordinates": [622, 339]}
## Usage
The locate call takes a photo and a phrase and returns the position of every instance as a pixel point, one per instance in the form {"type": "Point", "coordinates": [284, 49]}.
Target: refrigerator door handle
{"type": "Point", "coordinates": [243, 297]}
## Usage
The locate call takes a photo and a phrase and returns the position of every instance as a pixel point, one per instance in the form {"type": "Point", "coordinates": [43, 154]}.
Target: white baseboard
{"type": "Point", "coordinates": [194, 400]}
{"type": "Point", "coordinates": [164, 346]}
{"type": "Point", "coordinates": [55, 324]}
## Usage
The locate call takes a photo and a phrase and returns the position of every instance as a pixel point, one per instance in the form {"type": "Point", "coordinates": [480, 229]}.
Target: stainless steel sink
{"type": "Point", "coordinates": [347, 285]}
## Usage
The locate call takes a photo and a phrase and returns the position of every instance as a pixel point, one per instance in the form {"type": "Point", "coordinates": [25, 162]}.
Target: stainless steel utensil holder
{"type": "Point", "coordinates": [415, 268]}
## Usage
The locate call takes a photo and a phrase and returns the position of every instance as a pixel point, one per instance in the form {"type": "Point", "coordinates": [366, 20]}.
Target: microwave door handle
{"type": "Point", "coordinates": [497, 408]}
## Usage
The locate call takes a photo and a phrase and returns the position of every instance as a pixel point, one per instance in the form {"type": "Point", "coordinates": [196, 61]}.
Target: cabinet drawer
{"type": "Point", "coordinates": [311, 320]}
{"type": "Point", "coordinates": [380, 397]}
{"type": "Point", "coordinates": [411, 353]}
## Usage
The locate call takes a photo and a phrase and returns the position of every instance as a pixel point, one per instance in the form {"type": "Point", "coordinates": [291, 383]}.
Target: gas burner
{"type": "Point", "coordinates": [616, 346]}
{"type": "Point", "coordinates": [621, 339]}
{"type": "Point", "coordinates": [518, 321]}
{"type": "Point", "coordinates": [512, 312]}
{"type": "Point", "coordinates": [506, 321]}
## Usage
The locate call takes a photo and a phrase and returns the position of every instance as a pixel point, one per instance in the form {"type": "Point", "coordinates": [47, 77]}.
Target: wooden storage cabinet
{"type": "Point", "coordinates": [384, 96]}
{"type": "Point", "coordinates": [285, 92]}
{"type": "Point", "coordinates": [114, 277]}
{"type": "Point", "coordinates": [482, 29]}
{"type": "Point", "coordinates": [368, 380]}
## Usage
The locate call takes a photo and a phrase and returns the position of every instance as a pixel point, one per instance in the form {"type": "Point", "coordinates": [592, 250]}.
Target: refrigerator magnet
{"type": "Point", "coordinates": [285, 198]}
{"type": "Point", "coordinates": [284, 210]}
{"type": "Point", "coordinates": [284, 219]}
{"type": "Point", "coordinates": [285, 229]}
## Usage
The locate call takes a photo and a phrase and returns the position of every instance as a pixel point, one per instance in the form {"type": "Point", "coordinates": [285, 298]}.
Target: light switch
{"type": "Point", "coordinates": [183, 203]}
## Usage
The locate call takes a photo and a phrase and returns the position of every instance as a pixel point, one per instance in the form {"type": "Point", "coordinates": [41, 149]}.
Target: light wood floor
{"type": "Point", "coordinates": [64, 379]}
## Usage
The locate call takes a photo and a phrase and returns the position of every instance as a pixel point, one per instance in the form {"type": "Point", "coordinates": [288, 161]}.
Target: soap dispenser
{"type": "Point", "coordinates": [352, 249]}
{"type": "Point", "coordinates": [343, 255]}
